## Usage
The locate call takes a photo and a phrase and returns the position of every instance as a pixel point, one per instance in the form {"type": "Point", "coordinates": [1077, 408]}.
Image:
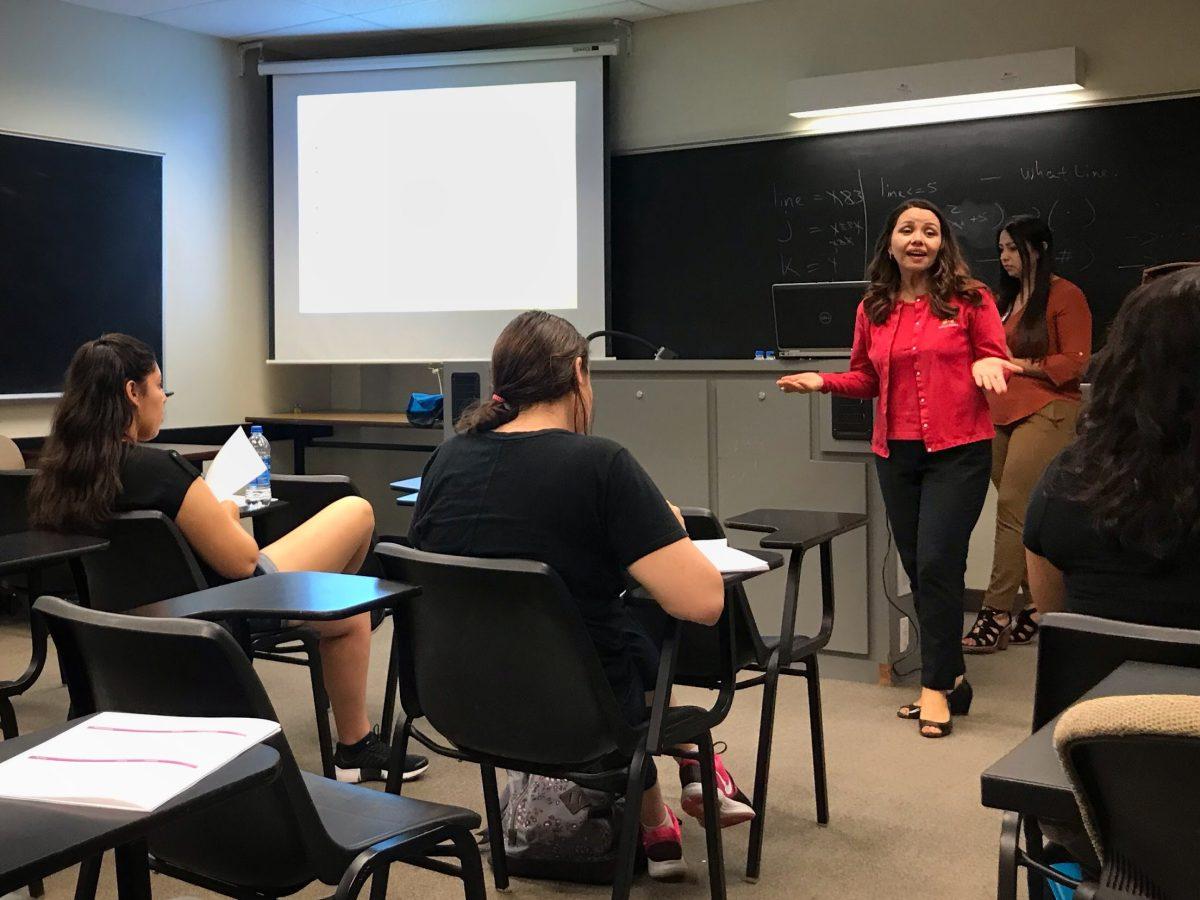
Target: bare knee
{"type": "Point", "coordinates": [356, 627]}
{"type": "Point", "coordinates": [358, 514]}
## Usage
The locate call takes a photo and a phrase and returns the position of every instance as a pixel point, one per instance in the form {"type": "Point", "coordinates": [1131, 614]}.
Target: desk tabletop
{"type": "Point", "coordinates": [335, 417]}
{"type": "Point", "coordinates": [39, 839]}
{"type": "Point", "coordinates": [24, 550]}
{"type": "Point", "coordinates": [312, 596]}
{"type": "Point", "coordinates": [1029, 778]}
{"type": "Point", "coordinates": [791, 529]}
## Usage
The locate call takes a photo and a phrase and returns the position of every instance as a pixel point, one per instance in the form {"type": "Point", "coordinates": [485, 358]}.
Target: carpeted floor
{"type": "Point", "coordinates": [905, 815]}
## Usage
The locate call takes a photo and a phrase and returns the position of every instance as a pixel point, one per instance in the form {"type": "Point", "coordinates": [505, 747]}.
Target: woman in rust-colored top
{"type": "Point", "coordinates": [1049, 330]}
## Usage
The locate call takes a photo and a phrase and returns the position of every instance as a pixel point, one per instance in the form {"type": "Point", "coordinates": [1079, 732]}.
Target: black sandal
{"type": "Point", "coordinates": [1025, 626]}
{"type": "Point", "coordinates": [959, 699]}
{"type": "Point", "coordinates": [987, 632]}
{"type": "Point", "coordinates": [941, 729]}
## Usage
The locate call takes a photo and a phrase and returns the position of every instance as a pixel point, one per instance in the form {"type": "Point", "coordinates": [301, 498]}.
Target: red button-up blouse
{"type": "Point", "coordinates": [951, 408]}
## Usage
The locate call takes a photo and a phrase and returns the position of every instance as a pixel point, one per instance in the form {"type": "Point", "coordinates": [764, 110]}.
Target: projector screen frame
{"type": "Point", "coordinates": [414, 61]}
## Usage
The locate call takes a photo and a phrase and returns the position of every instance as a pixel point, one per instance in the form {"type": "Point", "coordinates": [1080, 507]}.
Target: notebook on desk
{"type": "Point", "coordinates": [128, 761]}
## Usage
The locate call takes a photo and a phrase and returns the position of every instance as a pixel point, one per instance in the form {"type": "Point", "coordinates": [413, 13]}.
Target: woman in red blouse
{"type": "Point", "coordinates": [1049, 330]}
{"type": "Point", "coordinates": [928, 342]}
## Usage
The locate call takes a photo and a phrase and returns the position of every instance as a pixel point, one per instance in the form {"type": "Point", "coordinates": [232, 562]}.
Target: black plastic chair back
{"type": "Point", "coordinates": [147, 560]}
{"type": "Point", "coordinates": [1141, 790]}
{"type": "Point", "coordinates": [306, 495]}
{"type": "Point", "coordinates": [494, 653]}
{"type": "Point", "coordinates": [1076, 652]}
{"type": "Point", "coordinates": [270, 836]}
{"type": "Point", "coordinates": [14, 493]}
{"type": "Point", "coordinates": [699, 661]}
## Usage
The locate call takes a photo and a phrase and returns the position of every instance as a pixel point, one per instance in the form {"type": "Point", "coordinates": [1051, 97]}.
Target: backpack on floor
{"type": "Point", "coordinates": [556, 829]}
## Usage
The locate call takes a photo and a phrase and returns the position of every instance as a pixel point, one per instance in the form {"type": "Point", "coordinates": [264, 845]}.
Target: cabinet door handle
{"type": "Point", "coordinates": [640, 395]}
{"type": "Point", "coordinates": [762, 395]}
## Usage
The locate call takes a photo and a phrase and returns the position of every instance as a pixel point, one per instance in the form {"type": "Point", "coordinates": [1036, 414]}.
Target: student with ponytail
{"type": "Point", "coordinates": [525, 480]}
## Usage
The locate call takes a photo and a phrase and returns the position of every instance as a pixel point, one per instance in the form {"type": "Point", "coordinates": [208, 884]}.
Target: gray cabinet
{"type": "Point", "coordinates": [664, 423]}
{"type": "Point", "coordinates": [764, 450]}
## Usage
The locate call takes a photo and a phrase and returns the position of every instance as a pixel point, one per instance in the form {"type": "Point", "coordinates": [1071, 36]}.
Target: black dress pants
{"type": "Point", "coordinates": [933, 501]}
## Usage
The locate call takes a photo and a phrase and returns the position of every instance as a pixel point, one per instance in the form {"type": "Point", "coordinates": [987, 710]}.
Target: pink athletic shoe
{"type": "Point", "coordinates": [735, 806]}
{"type": "Point", "coordinates": [663, 845]}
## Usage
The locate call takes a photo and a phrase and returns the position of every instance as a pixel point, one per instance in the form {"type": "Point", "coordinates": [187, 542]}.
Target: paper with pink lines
{"type": "Point", "coordinates": [127, 760]}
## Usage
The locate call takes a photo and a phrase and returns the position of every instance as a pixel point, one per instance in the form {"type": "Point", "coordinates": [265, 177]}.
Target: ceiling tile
{"type": "Point", "coordinates": [627, 9]}
{"type": "Point", "coordinates": [458, 13]}
{"type": "Point", "coordinates": [336, 25]}
{"type": "Point", "coordinates": [136, 7]}
{"type": "Point", "coordinates": [354, 7]}
{"type": "Point", "coordinates": [239, 18]}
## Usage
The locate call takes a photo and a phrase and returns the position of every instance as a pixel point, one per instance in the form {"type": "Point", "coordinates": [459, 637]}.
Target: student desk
{"type": "Point", "coordinates": [304, 429]}
{"type": "Point", "coordinates": [1030, 780]}
{"type": "Point", "coordinates": [308, 596]}
{"type": "Point", "coordinates": [39, 839]}
{"type": "Point", "coordinates": [30, 552]}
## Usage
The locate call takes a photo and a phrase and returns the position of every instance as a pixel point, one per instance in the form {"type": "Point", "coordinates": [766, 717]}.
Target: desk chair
{"type": "Point", "coordinates": [14, 517]}
{"type": "Point", "coordinates": [149, 560]}
{"type": "Point", "coordinates": [273, 840]}
{"type": "Point", "coordinates": [1134, 765]}
{"type": "Point", "coordinates": [788, 654]}
{"type": "Point", "coordinates": [495, 655]}
{"type": "Point", "coordinates": [307, 495]}
{"type": "Point", "coordinates": [1075, 652]}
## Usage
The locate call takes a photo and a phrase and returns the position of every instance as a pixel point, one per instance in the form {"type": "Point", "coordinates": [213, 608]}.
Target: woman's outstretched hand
{"type": "Point", "coordinates": [801, 383]}
{"type": "Point", "coordinates": [990, 373]}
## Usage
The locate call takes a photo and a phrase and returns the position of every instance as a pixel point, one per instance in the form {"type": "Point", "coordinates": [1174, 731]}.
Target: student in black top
{"type": "Point", "coordinates": [1113, 527]}
{"type": "Point", "coordinates": [93, 466]}
{"type": "Point", "coordinates": [525, 480]}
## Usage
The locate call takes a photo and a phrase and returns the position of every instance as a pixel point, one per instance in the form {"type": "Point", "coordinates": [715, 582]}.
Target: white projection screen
{"type": "Point", "coordinates": [417, 210]}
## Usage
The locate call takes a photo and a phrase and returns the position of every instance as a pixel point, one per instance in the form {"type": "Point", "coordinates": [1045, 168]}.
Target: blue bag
{"type": "Point", "coordinates": [424, 410]}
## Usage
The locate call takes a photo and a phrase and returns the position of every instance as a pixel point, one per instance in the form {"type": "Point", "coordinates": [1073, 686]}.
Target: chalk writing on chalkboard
{"type": "Point", "coordinates": [1119, 186]}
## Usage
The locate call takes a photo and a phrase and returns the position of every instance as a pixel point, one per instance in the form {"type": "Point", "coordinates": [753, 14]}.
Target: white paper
{"type": "Point", "coordinates": [128, 761]}
{"type": "Point", "coordinates": [729, 559]}
{"type": "Point", "coordinates": [236, 465]}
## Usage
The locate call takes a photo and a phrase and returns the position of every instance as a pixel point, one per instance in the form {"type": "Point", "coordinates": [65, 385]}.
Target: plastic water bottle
{"type": "Point", "coordinates": [259, 490]}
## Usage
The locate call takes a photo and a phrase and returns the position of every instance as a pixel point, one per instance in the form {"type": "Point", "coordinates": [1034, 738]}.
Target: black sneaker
{"type": "Point", "coordinates": [368, 761]}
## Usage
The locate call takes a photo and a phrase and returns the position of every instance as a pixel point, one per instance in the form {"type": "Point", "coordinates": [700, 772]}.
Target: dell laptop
{"type": "Point", "coordinates": [816, 319]}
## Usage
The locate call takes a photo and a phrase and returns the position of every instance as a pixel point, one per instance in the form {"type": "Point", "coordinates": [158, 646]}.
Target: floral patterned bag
{"type": "Point", "coordinates": [556, 829]}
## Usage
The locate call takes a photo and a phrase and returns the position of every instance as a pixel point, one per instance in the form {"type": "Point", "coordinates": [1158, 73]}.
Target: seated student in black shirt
{"type": "Point", "coordinates": [93, 466]}
{"type": "Point", "coordinates": [1113, 528]}
{"type": "Point", "coordinates": [526, 480]}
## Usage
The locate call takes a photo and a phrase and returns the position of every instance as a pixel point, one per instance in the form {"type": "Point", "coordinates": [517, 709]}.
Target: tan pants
{"type": "Point", "coordinates": [1020, 453]}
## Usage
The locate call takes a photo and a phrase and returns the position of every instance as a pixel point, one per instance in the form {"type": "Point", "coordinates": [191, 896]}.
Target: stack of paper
{"type": "Point", "coordinates": [128, 761]}
{"type": "Point", "coordinates": [729, 560]}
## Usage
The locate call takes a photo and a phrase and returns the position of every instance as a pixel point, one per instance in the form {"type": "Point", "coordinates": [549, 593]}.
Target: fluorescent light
{"type": "Point", "coordinates": [929, 115]}
{"type": "Point", "coordinates": [939, 84]}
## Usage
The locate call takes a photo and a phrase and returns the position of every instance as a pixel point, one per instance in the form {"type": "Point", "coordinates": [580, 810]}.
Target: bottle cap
{"type": "Point", "coordinates": [256, 429]}
{"type": "Point", "coordinates": [758, 354]}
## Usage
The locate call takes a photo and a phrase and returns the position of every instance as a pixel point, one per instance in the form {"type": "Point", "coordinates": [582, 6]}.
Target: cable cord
{"type": "Point", "coordinates": [895, 604]}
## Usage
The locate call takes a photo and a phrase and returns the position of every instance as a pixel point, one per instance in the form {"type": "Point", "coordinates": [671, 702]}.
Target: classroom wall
{"type": "Point", "coordinates": [722, 74]}
{"type": "Point", "coordinates": [75, 73]}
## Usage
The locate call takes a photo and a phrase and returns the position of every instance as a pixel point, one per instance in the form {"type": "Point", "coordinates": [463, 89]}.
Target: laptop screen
{"type": "Point", "coordinates": [817, 318]}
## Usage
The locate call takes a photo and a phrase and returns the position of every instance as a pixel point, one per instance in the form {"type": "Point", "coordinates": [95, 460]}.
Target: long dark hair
{"type": "Point", "coordinates": [949, 277]}
{"type": "Point", "coordinates": [533, 361]}
{"type": "Point", "coordinates": [1135, 464]}
{"type": "Point", "coordinates": [79, 468]}
{"type": "Point", "coordinates": [1030, 340]}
